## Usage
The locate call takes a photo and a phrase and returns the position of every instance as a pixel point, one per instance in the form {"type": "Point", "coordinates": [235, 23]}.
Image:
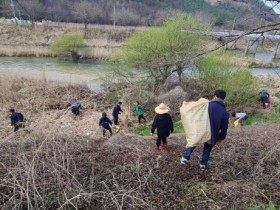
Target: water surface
{"type": "Point", "coordinates": [53, 69]}
{"type": "Point", "coordinates": [84, 73]}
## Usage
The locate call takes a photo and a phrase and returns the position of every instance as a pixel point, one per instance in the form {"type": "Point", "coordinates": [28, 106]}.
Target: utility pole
{"type": "Point", "coordinates": [114, 16]}
{"type": "Point", "coordinates": [13, 8]}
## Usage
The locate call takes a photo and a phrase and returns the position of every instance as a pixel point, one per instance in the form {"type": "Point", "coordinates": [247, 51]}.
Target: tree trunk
{"type": "Point", "coordinates": [180, 72]}
{"type": "Point", "coordinates": [75, 56]}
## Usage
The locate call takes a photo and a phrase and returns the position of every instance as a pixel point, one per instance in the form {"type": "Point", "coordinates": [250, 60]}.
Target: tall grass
{"type": "Point", "coordinates": [12, 51]}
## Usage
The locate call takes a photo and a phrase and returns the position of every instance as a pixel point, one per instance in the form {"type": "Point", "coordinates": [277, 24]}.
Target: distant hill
{"type": "Point", "coordinates": [237, 14]}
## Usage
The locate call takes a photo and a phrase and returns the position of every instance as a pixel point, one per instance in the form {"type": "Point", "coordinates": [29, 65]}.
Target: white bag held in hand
{"type": "Point", "coordinates": [195, 119]}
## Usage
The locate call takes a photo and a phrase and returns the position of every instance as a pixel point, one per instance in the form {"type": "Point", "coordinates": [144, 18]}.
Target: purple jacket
{"type": "Point", "coordinates": [218, 120]}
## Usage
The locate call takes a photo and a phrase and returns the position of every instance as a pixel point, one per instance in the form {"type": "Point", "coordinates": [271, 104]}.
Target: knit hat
{"type": "Point", "coordinates": [162, 109]}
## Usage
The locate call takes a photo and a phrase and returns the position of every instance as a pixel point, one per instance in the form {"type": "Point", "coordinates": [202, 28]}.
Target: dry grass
{"type": "Point", "coordinates": [28, 40]}
{"type": "Point", "coordinates": [54, 164]}
{"type": "Point", "coordinates": [13, 51]}
{"type": "Point", "coordinates": [45, 35]}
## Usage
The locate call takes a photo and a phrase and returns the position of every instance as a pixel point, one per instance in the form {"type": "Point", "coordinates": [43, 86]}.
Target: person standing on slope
{"type": "Point", "coordinates": [139, 111]}
{"type": "Point", "coordinates": [219, 117]}
{"type": "Point", "coordinates": [164, 125]}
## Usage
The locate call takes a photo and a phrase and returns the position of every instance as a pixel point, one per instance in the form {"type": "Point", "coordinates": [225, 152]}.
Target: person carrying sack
{"type": "Point", "coordinates": [218, 119]}
{"type": "Point", "coordinates": [164, 125]}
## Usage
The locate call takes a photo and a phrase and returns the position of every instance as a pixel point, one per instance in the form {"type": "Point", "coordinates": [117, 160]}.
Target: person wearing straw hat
{"type": "Point", "coordinates": [164, 125]}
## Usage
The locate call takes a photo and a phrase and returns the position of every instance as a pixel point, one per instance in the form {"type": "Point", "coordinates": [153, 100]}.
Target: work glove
{"type": "Point", "coordinates": [219, 141]}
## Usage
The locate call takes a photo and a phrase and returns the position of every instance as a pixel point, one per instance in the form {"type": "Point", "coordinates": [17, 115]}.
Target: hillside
{"type": "Point", "coordinates": [59, 161]}
{"type": "Point", "coordinates": [223, 13]}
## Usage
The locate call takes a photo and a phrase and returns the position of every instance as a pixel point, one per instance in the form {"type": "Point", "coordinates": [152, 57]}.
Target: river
{"type": "Point", "coordinates": [55, 70]}
{"type": "Point", "coordinates": [66, 71]}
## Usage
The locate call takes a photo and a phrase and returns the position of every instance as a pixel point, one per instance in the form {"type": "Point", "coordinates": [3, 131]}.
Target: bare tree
{"type": "Point", "coordinates": [82, 11]}
{"type": "Point", "coordinates": [30, 9]}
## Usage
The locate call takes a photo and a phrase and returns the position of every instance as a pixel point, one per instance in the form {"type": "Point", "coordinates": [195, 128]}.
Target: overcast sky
{"type": "Point", "coordinates": [274, 4]}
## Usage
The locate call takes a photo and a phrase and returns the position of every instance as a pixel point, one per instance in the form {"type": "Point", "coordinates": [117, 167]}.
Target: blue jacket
{"type": "Point", "coordinates": [105, 122]}
{"type": "Point", "coordinates": [16, 117]}
{"type": "Point", "coordinates": [117, 110]}
{"type": "Point", "coordinates": [76, 106]}
{"type": "Point", "coordinates": [218, 116]}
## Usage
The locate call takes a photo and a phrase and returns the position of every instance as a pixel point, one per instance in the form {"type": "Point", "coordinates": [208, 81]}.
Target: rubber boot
{"type": "Point", "coordinates": [164, 147]}
{"type": "Point", "coordinates": [157, 147]}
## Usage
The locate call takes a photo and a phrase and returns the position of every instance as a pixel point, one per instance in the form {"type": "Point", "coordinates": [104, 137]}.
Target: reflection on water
{"type": "Point", "coordinates": [262, 71]}
{"type": "Point", "coordinates": [85, 73]}
{"type": "Point", "coordinates": [264, 56]}
{"type": "Point", "coordinates": [55, 70]}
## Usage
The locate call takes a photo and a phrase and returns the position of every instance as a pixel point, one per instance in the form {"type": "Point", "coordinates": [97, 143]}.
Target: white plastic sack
{"type": "Point", "coordinates": [196, 123]}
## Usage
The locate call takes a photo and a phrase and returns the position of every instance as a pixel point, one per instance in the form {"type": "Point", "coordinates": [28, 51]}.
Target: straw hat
{"type": "Point", "coordinates": [162, 109]}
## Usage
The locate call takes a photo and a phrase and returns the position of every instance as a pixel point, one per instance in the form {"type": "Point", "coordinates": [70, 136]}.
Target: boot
{"type": "Point", "coordinates": [157, 147]}
{"type": "Point", "coordinates": [164, 146]}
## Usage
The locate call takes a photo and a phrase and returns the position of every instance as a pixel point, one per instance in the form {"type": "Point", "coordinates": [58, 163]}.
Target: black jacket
{"type": "Point", "coordinates": [164, 125]}
{"type": "Point", "coordinates": [16, 117]}
{"type": "Point", "coordinates": [105, 122]}
{"type": "Point", "coordinates": [117, 110]}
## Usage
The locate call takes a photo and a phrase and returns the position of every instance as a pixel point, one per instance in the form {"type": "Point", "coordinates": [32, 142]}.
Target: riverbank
{"type": "Point", "coordinates": [62, 161]}
{"type": "Point", "coordinates": [18, 40]}
{"type": "Point", "coordinates": [35, 40]}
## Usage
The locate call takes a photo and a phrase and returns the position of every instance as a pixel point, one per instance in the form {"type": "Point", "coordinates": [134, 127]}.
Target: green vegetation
{"type": "Point", "coordinates": [277, 95]}
{"type": "Point", "coordinates": [261, 206]}
{"type": "Point", "coordinates": [170, 48]}
{"type": "Point", "coordinates": [141, 130]}
{"type": "Point", "coordinates": [144, 130]}
{"type": "Point", "coordinates": [68, 45]}
{"type": "Point", "coordinates": [216, 72]}
{"type": "Point", "coordinates": [271, 118]}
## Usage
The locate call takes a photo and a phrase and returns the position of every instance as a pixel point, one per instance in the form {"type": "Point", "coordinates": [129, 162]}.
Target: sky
{"type": "Point", "coordinates": [272, 4]}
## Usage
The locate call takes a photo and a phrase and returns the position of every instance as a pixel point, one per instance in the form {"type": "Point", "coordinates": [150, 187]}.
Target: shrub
{"type": "Point", "coordinates": [68, 45]}
{"type": "Point", "coordinates": [216, 72]}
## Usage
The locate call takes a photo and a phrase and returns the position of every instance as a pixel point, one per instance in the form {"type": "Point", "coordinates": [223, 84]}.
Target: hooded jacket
{"type": "Point", "coordinates": [218, 116]}
{"type": "Point", "coordinates": [105, 122]}
{"type": "Point", "coordinates": [164, 125]}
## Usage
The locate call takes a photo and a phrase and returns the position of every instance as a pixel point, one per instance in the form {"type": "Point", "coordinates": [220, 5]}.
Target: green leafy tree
{"type": "Point", "coordinates": [68, 45]}
{"type": "Point", "coordinates": [167, 49]}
